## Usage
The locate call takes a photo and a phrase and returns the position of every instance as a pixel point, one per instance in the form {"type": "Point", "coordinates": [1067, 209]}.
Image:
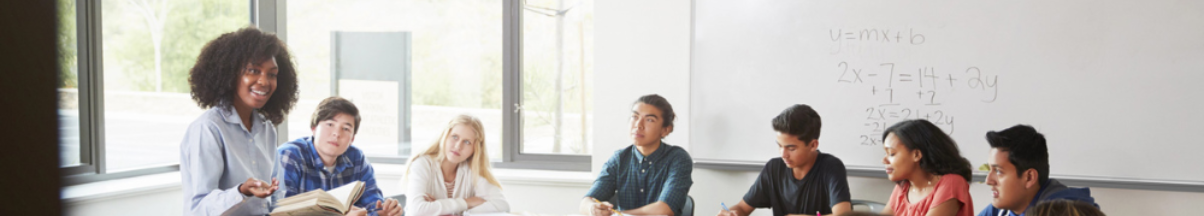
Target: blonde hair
{"type": "Point", "coordinates": [478, 163]}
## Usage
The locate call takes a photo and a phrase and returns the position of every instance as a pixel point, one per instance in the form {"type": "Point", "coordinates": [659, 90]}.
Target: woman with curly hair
{"type": "Point", "coordinates": [930, 174]}
{"type": "Point", "coordinates": [247, 81]}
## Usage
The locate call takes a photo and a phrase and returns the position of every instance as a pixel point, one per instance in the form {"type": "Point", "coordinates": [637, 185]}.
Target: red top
{"type": "Point", "coordinates": [951, 186]}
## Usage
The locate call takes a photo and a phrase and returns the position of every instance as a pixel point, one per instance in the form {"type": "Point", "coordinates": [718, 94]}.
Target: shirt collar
{"type": "Point", "coordinates": [656, 154]}
{"type": "Point", "coordinates": [340, 162]}
{"type": "Point", "coordinates": [229, 115]}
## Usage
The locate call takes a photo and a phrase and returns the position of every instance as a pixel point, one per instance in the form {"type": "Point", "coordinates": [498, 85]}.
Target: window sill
{"type": "Point", "coordinates": [533, 177]}
{"type": "Point", "coordinates": [118, 188]}
{"type": "Point", "coordinates": [166, 182]}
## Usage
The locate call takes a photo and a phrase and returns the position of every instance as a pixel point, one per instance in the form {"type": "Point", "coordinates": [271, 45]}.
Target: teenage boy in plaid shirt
{"type": "Point", "coordinates": [327, 160]}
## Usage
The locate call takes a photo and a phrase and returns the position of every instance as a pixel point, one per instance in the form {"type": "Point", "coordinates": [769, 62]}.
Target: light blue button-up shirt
{"type": "Point", "coordinates": [218, 154]}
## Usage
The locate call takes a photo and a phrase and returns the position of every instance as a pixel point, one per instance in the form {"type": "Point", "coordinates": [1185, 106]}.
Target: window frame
{"type": "Point", "coordinates": [271, 16]}
{"type": "Point", "coordinates": [93, 167]}
{"type": "Point", "coordinates": [512, 125]}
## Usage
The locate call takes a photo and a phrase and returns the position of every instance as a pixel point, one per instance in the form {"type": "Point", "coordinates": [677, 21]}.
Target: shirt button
{"type": "Point", "coordinates": [642, 171]}
{"type": "Point", "coordinates": [641, 190]}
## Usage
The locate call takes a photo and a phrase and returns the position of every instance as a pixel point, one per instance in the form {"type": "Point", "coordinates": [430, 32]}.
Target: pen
{"type": "Point", "coordinates": [613, 210]}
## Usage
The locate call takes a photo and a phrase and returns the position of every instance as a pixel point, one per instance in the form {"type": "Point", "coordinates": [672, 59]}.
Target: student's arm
{"type": "Point", "coordinates": [604, 186]}
{"type": "Point", "coordinates": [947, 208]}
{"type": "Point", "coordinates": [372, 193]}
{"type": "Point", "coordinates": [673, 194]}
{"type": "Point", "coordinates": [758, 194]}
{"type": "Point", "coordinates": [740, 209]}
{"type": "Point", "coordinates": [842, 207]}
{"type": "Point", "coordinates": [838, 187]}
{"type": "Point", "coordinates": [494, 200]}
{"type": "Point", "coordinates": [587, 206]}
{"type": "Point", "coordinates": [420, 180]}
{"type": "Point", "coordinates": [201, 168]}
{"type": "Point", "coordinates": [656, 208]}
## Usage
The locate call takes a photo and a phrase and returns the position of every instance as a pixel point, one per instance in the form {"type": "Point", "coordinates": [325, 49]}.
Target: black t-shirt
{"type": "Point", "coordinates": [825, 185]}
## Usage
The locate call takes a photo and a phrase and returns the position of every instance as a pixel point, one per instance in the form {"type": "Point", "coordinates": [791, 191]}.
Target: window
{"type": "Point", "coordinates": [68, 86]}
{"type": "Point", "coordinates": [410, 66]}
{"type": "Point", "coordinates": [444, 57]}
{"type": "Point", "coordinates": [149, 47]}
{"type": "Point", "coordinates": [557, 43]}
{"type": "Point", "coordinates": [124, 92]}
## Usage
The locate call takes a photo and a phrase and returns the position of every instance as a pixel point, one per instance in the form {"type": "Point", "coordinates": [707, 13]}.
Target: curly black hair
{"type": "Point", "coordinates": [941, 155]}
{"type": "Point", "coordinates": [214, 78]}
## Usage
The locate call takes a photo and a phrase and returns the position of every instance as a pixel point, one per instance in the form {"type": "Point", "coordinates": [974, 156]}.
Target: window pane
{"type": "Point", "coordinates": [68, 86]}
{"type": "Point", "coordinates": [454, 63]}
{"type": "Point", "coordinates": [149, 47]}
{"type": "Point", "coordinates": [557, 68]}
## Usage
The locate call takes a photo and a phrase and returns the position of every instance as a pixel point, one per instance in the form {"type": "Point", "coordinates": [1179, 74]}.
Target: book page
{"type": "Point", "coordinates": [347, 194]}
{"type": "Point", "coordinates": [315, 199]}
{"type": "Point", "coordinates": [314, 194]}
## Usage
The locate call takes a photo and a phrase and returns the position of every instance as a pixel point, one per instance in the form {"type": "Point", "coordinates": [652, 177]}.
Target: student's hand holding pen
{"type": "Point", "coordinates": [388, 207]}
{"type": "Point", "coordinates": [256, 188]}
{"type": "Point", "coordinates": [727, 212]}
{"type": "Point", "coordinates": [356, 211]}
{"type": "Point", "coordinates": [602, 208]}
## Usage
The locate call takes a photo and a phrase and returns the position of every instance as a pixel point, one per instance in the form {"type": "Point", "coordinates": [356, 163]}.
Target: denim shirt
{"type": "Point", "coordinates": [218, 154]}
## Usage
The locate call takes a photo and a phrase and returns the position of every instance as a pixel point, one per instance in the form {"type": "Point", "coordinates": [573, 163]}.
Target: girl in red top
{"type": "Point", "coordinates": [930, 174]}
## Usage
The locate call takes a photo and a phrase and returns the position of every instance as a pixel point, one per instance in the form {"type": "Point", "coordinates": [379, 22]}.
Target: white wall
{"type": "Point", "coordinates": [643, 47]}
{"type": "Point", "coordinates": [156, 202]}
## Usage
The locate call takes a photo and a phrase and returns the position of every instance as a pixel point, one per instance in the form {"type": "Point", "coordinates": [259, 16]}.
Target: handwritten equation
{"type": "Point", "coordinates": [904, 92]}
{"type": "Point", "coordinates": [879, 118]}
{"type": "Point", "coordinates": [871, 40]}
{"type": "Point", "coordinates": [974, 79]}
{"type": "Point", "coordinates": [877, 35]}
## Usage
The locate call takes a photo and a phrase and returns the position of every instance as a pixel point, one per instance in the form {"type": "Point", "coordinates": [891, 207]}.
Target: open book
{"type": "Point", "coordinates": [318, 202]}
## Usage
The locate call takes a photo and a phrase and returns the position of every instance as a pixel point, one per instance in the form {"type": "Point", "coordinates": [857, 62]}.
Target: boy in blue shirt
{"type": "Point", "coordinates": [327, 160]}
{"type": "Point", "coordinates": [1019, 176]}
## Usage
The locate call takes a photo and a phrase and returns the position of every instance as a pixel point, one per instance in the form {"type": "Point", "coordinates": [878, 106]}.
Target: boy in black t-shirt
{"type": "Point", "coordinates": [803, 181]}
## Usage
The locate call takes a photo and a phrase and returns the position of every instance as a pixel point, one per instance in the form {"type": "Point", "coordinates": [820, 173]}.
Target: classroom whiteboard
{"type": "Point", "coordinates": [1117, 87]}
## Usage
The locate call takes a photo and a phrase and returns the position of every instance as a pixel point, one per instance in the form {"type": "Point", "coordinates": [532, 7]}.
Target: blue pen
{"type": "Point", "coordinates": [724, 206]}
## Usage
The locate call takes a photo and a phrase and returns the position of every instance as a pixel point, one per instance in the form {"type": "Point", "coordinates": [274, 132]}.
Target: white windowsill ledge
{"type": "Point", "coordinates": [165, 182]}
